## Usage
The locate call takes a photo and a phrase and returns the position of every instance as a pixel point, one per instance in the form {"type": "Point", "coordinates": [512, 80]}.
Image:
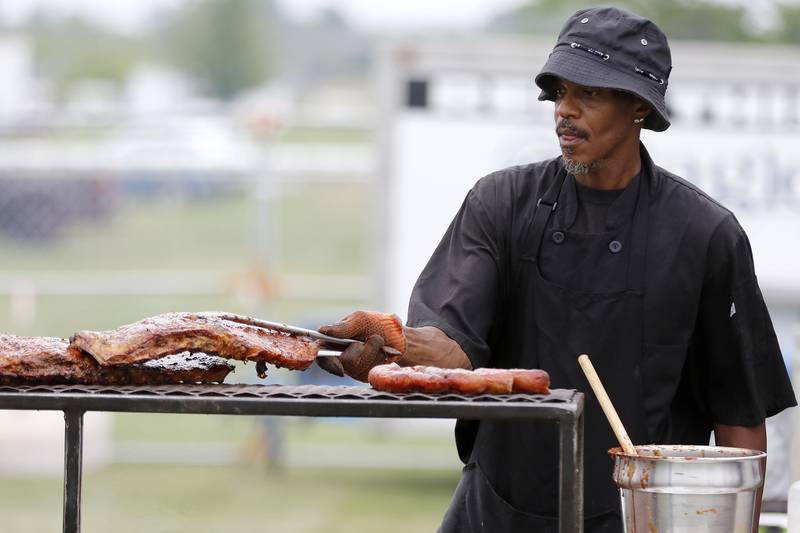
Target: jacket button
{"type": "Point", "coordinates": [558, 237]}
{"type": "Point", "coordinates": [615, 247]}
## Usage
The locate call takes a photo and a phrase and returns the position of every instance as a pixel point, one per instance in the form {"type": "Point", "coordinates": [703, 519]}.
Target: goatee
{"type": "Point", "coordinates": [575, 167]}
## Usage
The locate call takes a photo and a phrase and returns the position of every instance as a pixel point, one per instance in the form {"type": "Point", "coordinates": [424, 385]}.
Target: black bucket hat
{"type": "Point", "coordinates": [611, 48]}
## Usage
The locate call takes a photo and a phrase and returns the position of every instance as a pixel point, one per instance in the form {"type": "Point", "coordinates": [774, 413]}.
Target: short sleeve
{"type": "Point", "coordinates": [458, 292]}
{"type": "Point", "coordinates": [745, 377]}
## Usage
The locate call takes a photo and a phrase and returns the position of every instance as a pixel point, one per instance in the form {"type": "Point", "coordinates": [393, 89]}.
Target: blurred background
{"type": "Point", "coordinates": [298, 159]}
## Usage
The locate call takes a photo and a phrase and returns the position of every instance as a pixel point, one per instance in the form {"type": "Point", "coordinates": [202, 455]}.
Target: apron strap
{"type": "Point", "coordinates": [545, 207]}
{"type": "Point", "coordinates": [637, 264]}
{"type": "Point", "coordinates": [548, 203]}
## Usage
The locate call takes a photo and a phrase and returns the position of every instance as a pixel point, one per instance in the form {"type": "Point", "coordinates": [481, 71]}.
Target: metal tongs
{"type": "Point", "coordinates": [335, 345]}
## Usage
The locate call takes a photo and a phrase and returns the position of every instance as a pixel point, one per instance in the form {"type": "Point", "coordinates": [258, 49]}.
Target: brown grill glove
{"type": "Point", "coordinates": [377, 329]}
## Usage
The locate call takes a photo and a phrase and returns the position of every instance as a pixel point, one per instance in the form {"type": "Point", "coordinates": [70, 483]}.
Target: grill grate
{"type": "Point", "coordinates": [562, 406]}
{"type": "Point", "coordinates": [299, 392]}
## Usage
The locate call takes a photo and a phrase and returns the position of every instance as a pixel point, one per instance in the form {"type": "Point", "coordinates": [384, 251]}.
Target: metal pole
{"type": "Point", "coordinates": [571, 475]}
{"type": "Point", "coordinates": [386, 80]}
{"type": "Point", "coordinates": [73, 462]}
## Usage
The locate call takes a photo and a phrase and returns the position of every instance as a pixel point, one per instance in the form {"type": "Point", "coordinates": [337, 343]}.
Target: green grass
{"type": "Point", "coordinates": [181, 428]}
{"type": "Point", "coordinates": [325, 229]}
{"type": "Point", "coordinates": [128, 427]}
{"type": "Point", "coordinates": [156, 235]}
{"type": "Point", "coordinates": [245, 496]}
{"type": "Point", "coordinates": [168, 499]}
{"type": "Point", "coordinates": [321, 232]}
{"type": "Point", "coordinates": [234, 499]}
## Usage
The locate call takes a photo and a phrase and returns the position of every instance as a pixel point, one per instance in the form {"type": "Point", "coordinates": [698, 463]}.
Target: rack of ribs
{"type": "Point", "coordinates": [221, 334]}
{"type": "Point", "coordinates": [52, 361]}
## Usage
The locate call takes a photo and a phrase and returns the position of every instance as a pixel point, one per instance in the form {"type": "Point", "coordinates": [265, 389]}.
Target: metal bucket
{"type": "Point", "coordinates": [684, 489]}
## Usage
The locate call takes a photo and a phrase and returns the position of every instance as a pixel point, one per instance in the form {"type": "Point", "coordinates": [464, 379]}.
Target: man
{"type": "Point", "coordinates": [598, 251]}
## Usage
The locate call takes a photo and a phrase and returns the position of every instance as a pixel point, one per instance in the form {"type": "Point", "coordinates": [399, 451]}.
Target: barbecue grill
{"type": "Point", "coordinates": [564, 407]}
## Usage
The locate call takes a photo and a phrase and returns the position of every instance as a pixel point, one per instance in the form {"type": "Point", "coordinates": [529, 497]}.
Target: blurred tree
{"type": "Point", "coordinates": [790, 30]}
{"type": "Point", "coordinates": [330, 18]}
{"type": "Point", "coordinates": [223, 44]}
{"type": "Point", "coordinates": [680, 19]}
{"type": "Point", "coordinates": [324, 47]}
{"type": "Point", "coordinates": [70, 49]}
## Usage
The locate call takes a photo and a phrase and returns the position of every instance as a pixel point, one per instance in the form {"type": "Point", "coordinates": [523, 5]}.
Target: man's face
{"type": "Point", "coordinates": [592, 124]}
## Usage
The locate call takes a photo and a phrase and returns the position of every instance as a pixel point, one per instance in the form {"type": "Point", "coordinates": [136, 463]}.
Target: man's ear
{"type": "Point", "coordinates": [641, 109]}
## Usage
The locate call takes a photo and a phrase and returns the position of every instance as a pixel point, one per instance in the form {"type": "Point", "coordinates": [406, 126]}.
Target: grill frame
{"type": "Point", "coordinates": [564, 407]}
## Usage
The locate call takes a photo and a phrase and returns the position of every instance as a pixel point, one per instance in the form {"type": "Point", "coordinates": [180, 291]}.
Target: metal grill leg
{"type": "Point", "coordinates": [571, 476]}
{"type": "Point", "coordinates": [73, 465]}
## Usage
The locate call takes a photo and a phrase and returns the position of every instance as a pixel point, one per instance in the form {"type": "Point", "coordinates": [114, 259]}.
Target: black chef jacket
{"type": "Point", "coordinates": [710, 351]}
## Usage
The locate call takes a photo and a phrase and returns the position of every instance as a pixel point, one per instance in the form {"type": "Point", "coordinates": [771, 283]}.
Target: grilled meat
{"type": "Point", "coordinates": [52, 361]}
{"type": "Point", "coordinates": [220, 334]}
{"type": "Point", "coordinates": [429, 379]}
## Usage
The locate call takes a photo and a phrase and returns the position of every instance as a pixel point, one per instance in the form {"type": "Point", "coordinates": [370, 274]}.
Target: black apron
{"type": "Point", "coordinates": [552, 326]}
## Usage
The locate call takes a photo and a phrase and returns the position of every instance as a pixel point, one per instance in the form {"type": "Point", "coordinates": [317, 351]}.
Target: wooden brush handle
{"type": "Point", "coordinates": [605, 403]}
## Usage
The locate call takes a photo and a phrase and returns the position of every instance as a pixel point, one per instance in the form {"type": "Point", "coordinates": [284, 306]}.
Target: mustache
{"type": "Point", "coordinates": [566, 127]}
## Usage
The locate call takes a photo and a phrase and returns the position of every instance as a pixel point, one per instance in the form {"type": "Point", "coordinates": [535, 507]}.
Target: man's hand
{"type": "Point", "coordinates": [376, 329]}
{"type": "Point", "coordinates": [357, 359]}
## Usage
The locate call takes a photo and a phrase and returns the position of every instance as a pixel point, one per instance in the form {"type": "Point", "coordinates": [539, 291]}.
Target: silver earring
{"type": "Point", "coordinates": [638, 120]}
